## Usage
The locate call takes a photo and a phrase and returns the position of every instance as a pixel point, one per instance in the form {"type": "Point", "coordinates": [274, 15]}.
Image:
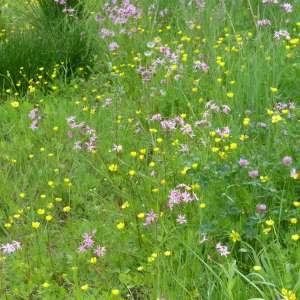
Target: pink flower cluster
{"type": "Point", "coordinates": [263, 23]}
{"type": "Point", "coordinates": [35, 118]}
{"type": "Point", "coordinates": [222, 249]}
{"type": "Point", "coordinates": [10, 248]}
{"type": "Point", "coordinates": [88, 243]}
{"type": "Point", "coordinates": [181, 194]}
{"type": "Point", "coordinates": [120, 12]}
{"type": "Point", "coordinates": [68, 10]}
{"type": "Point", "coordinates": [282, 34]}
{"type": "Point", "coordinates": [90, 143]}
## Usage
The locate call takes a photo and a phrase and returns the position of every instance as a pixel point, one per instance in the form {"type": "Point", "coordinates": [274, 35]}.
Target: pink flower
{"type": "Point", "coordinates": [287, 7]}
{"type": "Point", "coordinates": [151, 217]}
{"type": "Point", "coordinates": [261, 208]}
{"type": "Point", "coordinates": [253, 173]}
{"type": "Point", "coordinates": [181, 219]}
{"type": "Point", "coordinates": [113, 46]}
{"type": "Point", "coordinates": [243, 162]}
{"type": "Point", "coordinates": [287, 160]}
{"type": "Point", "coordinates": [10, 248]}
{"type": "Point", "coordinates": [263, 23]}
{"type": "Point", "coordinates": [222, 249]}
{"type": "Point", "coordinates": [100, 251]}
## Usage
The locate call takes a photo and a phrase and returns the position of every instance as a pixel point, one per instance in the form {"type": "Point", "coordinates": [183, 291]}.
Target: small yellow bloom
{"type": "Point", "coordinates": [115, 292]}
{"type": "Point", "coordinates": [202, 205]}
{"type": "Point", "coordinates": [230, 94]}
{"type": "Point", "coordinates": [288, 295]}
{"type": "Point", "coordinates": [22, 195]}
{"type": "Point", "coordinates": [49, 218]}
{"type": "Point", "coordinates": [274, 90]}
{"type": "Point", "coordinates": [113, 167]}
{"type": "Point", "coordinates": [40, 211]}
{"type": "Point", "coordinates": [295, 237]}
{"type": "Point", "coordinates": [141, 215]}
{"type": "Point", "coordinates": [140, 268]}
{"type": "Point", "coordinates": [35, 225]}
{"type": "Point", "coordinates": [133, 153]}
{"type": "Point", "coordinates": [267, 230]}
{"type": "Point", "coordinates": [152, 164]}
{"type": "Point", "coordinates": [7, 225]}
{"type": "Point", "coordinates": [263, 178]}
{"type": "Point", "coordinates": [276, 119]}
{"type": "Point", "coordinates": [168, 253]}
{"type": "Point", "coordinates": [233, 146]}
{"type": "Point", "coordinates": [296, 203]}
{"type": "Point", "coordinates": [93, 260]}
{"type": "Point", "coordinates": [132, 173]}
{"type": "Point", "coordinates": [121, 225]}
{"type": "Point", "coordinates": [246, 121]}
{"type": "Point", "coordinates": [67, 209]}
{"type": "Point", "coordinates": [235, 236]}
{"type": "Point", "coordinates": [257, 268]}
{"type": "Point", "coordinates": [15, 104]}
{"type": "Point", "coordinates": [293, 220]}
{"type": "Point", "coordinates": [45, 285]}
{"type": "Point", "coordinates": [270, 222]}
{"type": "Point", "coordinates": [85, 287]}
{"type": "Point", "coordinates": [125, 205]}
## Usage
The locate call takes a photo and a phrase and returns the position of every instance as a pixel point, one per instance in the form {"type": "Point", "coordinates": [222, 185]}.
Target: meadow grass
{"type": "Point", "coordinates": [166, 169]}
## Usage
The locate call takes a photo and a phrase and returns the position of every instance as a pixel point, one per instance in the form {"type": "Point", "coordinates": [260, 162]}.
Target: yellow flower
{"type": "Point", "coordinates": [133, 153]}
{"type": "Point", "coordinates": [235, 236]}
{"type": "Point", "coordinates": [45, 285]}
{"type": "Point", "coordinates": [152, 164]}
{"type": "Point", "coordinates": [115, 292]}
{"type": "Point", "coordinates": [15, 104]}
{"type": "Point", "coordinates": [257, 268]}
{"type": "Point", "coordinates": [246, 121]}
{"type": "Point", "coordinates": [184, 171]}
{"type": "Point", "coordinates": [85, 287]}
{"type": "Point", "coordinates": [93, 260]}
{"type": "Point", "coordinates": [125, 205]}
{"type": "Point", "coordinates": [140, 268]}
{"type": "Point", "coordinates": [288, 295]}
{"type": "Point", "coordinates": [40, 211]}
{"type": "Point", "coordinates": [244, 137]}
{"type": "Point", "coordinates": [141, 215]}
{"type": "Point", "coordinates": [132, 173]}
{"type": "Point", "coordinates": [273, 89]}
{"type": "Point", "coordinates": [202, 205]}
{"type": "Point", "coordinates": [264, 178]}
{"type": "Point", "coordinates": [22, 195]}
{"type": "Point", "coordinates": [276, 118]}
{"type": "Point", "coordinates": [35, 225]}
{"type": "Point", "coordinates": [7, 225]}
{"type": "Point", "coordinates": [296, 203]}
{"type": "Point", "coordinates": [121, 225]}
{"type": "Point", "coordinates": [269, 222]}
{"type": "Point", "coordinates": [233, 146]}
{"type": "Point", "coordinates": [295, 237]}
{"type": "Point", "coordinates": [51, 183]}
{"type": "Point", "coordinates": [230, 94]}
{"type": "Point", "coordinates": [67, 209]}
{"type": "Point", "coordinates": [168, 253]}
{"type": "Point", "coordinates": [49, 218]}
{"type": "Point", "coordinates": [113, 167]}
{"type": "Point", "coordinates": [267, 230]}
{"type": "Point", "coordinates": [293, 220]}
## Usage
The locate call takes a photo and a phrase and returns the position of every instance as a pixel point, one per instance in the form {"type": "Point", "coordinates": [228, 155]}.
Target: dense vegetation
{"type": "Point", "coordinates": [149, 149]}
